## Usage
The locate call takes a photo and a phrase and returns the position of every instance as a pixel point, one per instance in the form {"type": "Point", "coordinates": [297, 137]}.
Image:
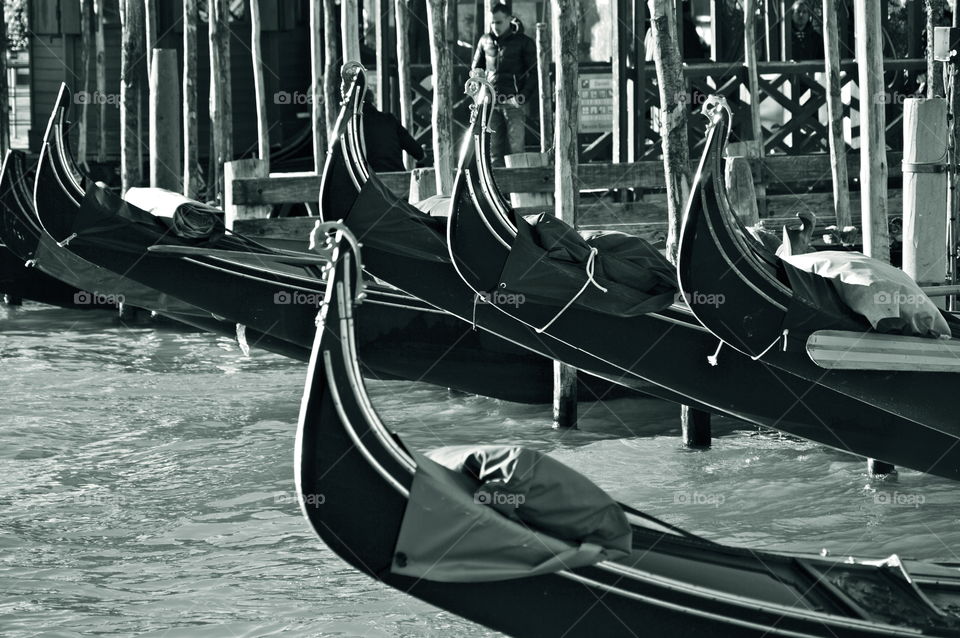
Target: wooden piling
{"type": "Point", "coordinates": [150, 29]}
{"type": "Point", "coordinates": [191, 181]}
{"type": "Point", "coordinates": [925, 190]}
{"type": "Point", "coordinates": [259, 86]}
{"type": "Point", "coordinates": [838, 147]}
{"type": "Point", "coordinates": [442, 112]}
{"type": "Point", "coordinates": [350, 30]}
{"type": "Point", "coordinates": [86, 77]}
{"type": "Point", "coordinates": [381, 9]}
{"type": "Point", "coordinates": [620, 45]}
{"type": "Point", "coordinates": [318, 118]}
{"type": "Point", "coordinates": [934, 67]}
{"type": "Point", "coordinates": [953, 142]}
{"type": "Point", "coordinates": [164, 120]}
{"type": "Point", "coordinates": [543, 84]}
{"type": "Point", "coordinates": [404, 87]}
{"type": "Point", "coordinates": [331, 68]}
{"type": "Point", "coordinates": [221, 113]}
{"type": "Point", "coordinates": [676, 161]}
{"type": "Point", "coordinates": [880, 468]}
{"type": "Point", "coordinates": [100, 64]}
{"type": "Point", "coordinates": [565, 17]}
{"type": "Point", "coordinates": [873, 145]}
{"type": "Point", "coordinates": [242, 169]}
{"type": "Point", "coordinates": [753, 83]}
{"type": "Point", "coordinates": [4, 88]}
{"type": "Point", "coordinates": [132, 26]}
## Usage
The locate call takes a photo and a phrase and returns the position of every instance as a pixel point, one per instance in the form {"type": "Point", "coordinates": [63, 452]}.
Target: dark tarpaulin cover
{"type": "Point", "coordinates": [386, 222]}
{"type": "Point", "coordinates": [548, 263]}
{"type": "Point", "coordinates": [816, 305]}
{"type": "Point", "coordinates": [451, 531]}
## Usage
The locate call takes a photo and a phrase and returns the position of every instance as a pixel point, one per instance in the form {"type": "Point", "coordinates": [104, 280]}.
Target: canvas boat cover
{"type": "Point", "coordinates": [484, 513]}
{"type": "Point", "coordinates": [188, 217]}
{"type": "Point", "coordinates": [604, 271]}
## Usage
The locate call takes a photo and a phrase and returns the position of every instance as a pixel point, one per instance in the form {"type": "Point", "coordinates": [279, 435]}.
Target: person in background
{"type": "Point", "coordinates": [509, 58]}
{"type": "Point", "coordinates": [806, 42]}
{"type": "Point", "coordinates": [386, 139]}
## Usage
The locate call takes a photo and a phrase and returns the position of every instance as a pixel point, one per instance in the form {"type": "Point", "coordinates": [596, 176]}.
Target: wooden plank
{"type": "Point", "coordinates": [233, 172]}
{"type": "Point", "coordinates": [838, 350]}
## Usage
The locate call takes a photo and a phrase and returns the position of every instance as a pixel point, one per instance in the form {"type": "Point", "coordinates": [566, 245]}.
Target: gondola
{"type": "Point", "coordinates": [367, 496]}
{"type": "Point", "coordinates": [766, 316]}
{"type": "Point", "coordinates": [275, 293]}
{"type": "Point", "coordinates": [667, 351]}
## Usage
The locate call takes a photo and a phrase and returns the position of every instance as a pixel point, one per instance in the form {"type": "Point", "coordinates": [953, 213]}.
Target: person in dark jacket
{"type": "Point", "coordinates": [386, 139]}
{"type": "Point", "coordinates": [510, 59]}
{"type": "Point", "coordinates": [805, 42]}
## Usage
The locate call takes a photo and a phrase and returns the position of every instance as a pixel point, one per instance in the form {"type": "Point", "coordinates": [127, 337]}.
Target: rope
{"type": "Point", "coordinates": [713, 359]}
{"type": "Point", "coordinates": [66, 241]}
{"type": "Point", "coordinates": [30, 263]}
{"type": "Point", "coordinates": [590, 280]}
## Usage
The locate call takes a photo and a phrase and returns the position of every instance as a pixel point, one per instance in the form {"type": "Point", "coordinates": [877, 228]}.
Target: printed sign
{"type": "Point", "coordinates": [596, 103]}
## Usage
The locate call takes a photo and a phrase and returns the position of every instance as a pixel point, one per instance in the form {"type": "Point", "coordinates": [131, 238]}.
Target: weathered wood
{"type": "Point", "coordinates": [953, 146]}
{"type": "Point", "coordinates": [150, 29]}
{"type": "Point", "coordinates": [525, 160]}
{"type": "Point", "coordinates": [221, 113]}
{"type": "Point", "coordinates": [404, 87]}
{"type": "Point", "coordinates": [672, 118]}
{"type": "Point", "coordinates": [4, 88]}
{"type": "Point", "coordinates": [132, 26]}
{"type": "Point", "coordinates": [741, 191]}
{"type": "Point", "coordinates": [839, 350]}
{"type": "Point", "coordinates": [442, 108]}
{"type": "Point", "coordinates": [422, 185]}
{"type": "Point", "coordinates": [925, 193]}
{"type": "Point", "coordinates": [235, 171]}
{"type": "Point", "coordinates": [934, 10]}
{"type": "Point", "coordinates": [101, 75]}
{"type": "Point", "coordinates": [331, 70]}
{"type": "Point", "coordinates": [543, 84]}
{"type": "Point", "coordinates": [880, 468]}
{"type": "Point", "coordinates": [318, 116]}
{"type": "Point", "coordinates": [838, 147]}
{"type": "Point", "coordinates": [637, 97]}
{"type": "Point", "coordinates": [350, 30]}
{"type": "Point", "coordinates": [381, 12]}
{"type": "Point", "coordinates": [753, 87]}
{"type": "Point", "coordinates": [86, 79]}
{"type": "Point", "coordinates": [565, 19]}
{"type": "Point", "coordinates": [620, 46]}
{"type": "Point", "coordinates": [191, 179]}
{"type": "Point", "coordinates": [695, 427]}
{"type": "Point", "coordinates": [164, 120]}
{"type": "Point", "coordinates": [259, 86]}
{"type": "Point", "coordinates": [873, 155]}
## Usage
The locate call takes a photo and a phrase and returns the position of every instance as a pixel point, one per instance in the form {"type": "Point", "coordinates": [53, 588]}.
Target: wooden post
{"type": "Point", "coordinates": [528, 160]}
{"type": "Point", "coordinates": [873, 147]}
{"type": "Point", "coordinates": [350, 30]}
{"type": "Point", "coordinates": [381, 10]}
{"type": "Point", "coordinates": [132, 26]}
{"type": "Point", "coordinates": [221, 113]}
{"type": "Point", "coordinates": [259, 86]}
{"type": "Point", "coordinates": [953, 141]}
{"type": "Point", "coordinates": [753, 82]}
{"type": "Point", "coordinates": [880, 468]}
{"type": "Point", "coordinates": [925, 193]}
{"type": "Point", "coordinates": [442, 118]}
{"type": "Point", "coordinates": [934, 9]}
{"type": "Point", "coordinates": [150, 29]}
{"type": "Point", "coordinates": [164, 120]}
{"type": "Point", "coordinates": [4, 88]}
{"type": "Point", "coordinates": [543, 83]}
{"type": "Point", "coordinates": [676, 162]}
{"type": "Point", "coordinates": [239, 169]}
{"type": "Point", "coordinates": [101, 73]}
{"type": "Point", "coordinates": [620, 38]}
{"type": "Point", "coordinates": [317, 109]}
{"type": "Point", "coordinates": [422, 185]}
{"type": "Point", "coordinates": [404, 87]}
{"type": "Point", "coordinates": [838, 147]}
{"type": "Point", "coordinates": [191, 15]}
{"type": "Point", "coordinates": [638, 94]}
{"type": "Point", "coordinates": [565, 17]}
{"type": "Point", "coordinates": [86, 78]}
{"type": "Point", "coordinates": [331, 70]}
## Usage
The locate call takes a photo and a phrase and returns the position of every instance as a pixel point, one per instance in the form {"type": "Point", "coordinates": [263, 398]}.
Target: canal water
{"type": "Point", "coordinates": [147, 487]}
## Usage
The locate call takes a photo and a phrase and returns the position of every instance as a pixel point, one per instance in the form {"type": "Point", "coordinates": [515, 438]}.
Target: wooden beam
{"type": "Point", "coordinates": [318, 116]}
{"type": "Point", "coordinates": [838, 146]}
{"type": "Point", "coordinates": [221, 113]}
{"type": "Point", "coordinates": [543, 83]}
{"type": "Point", "coordinates": [350, 30]}
{"type": "Point", "coordinates": [442, 117]}
{"type": "Point", "coordinates": [86, 78]}
{"type": "Point", "coordinates": [101, 73]}
{"type": "Point", "coordinates": [331, 69]}
{"type": "Point", "coordinates": [404, 87]}
{"type": "Point", "coordinates": [191, 180]}
{"type": "Point", "coordinates": [164, 121]}
{"type": "Point", "coordinates": [873, 148]}
{"type": "Point", "coordinates": [132, 27]}
{"type": "Point", "coordinates": [259, 86]}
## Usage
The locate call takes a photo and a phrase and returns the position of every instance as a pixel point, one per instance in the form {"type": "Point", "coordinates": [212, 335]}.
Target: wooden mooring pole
{"type": "Point", "coordinates": [404, 86]}
{"type": "Point", "coordinates": [331, 71]}
{"type": "Point", "coordinates": [86, 76]}
{"type": "Point", "coordinates": [838, 147]}
{"type": "Point", "coordinates": [259, 85]}
{"type": "Point", "coordinates": [676, 164]}
{"type": "Point", "coordinates": [753, 81]}
{"type": "Point", "coordinates": [934, 11]}
{"type": "Point", "coordinates": [191, 180]}
{"type": "Point", "coordinates": [164, 120]}
{"type": "Point", "coordinates": [132, 26]}
{"type": "Point", "coordinates": [565, 17]}
{"type": "Point", "coordinates": [221, 114]}
{"type": "Point", "coordinates": [543, 84]}
{"type": "Point", "coordinates": [441, 59]}
{"type": "Point", "coordinates": [101, 74]}
{"type": "Point", "coordinates": [318, 118]}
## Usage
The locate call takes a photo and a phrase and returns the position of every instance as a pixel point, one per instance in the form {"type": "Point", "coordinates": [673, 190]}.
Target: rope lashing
{"type": "Point", "coordinates": [591, 260]}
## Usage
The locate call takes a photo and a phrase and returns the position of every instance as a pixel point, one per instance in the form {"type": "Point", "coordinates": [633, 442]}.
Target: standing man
{"type": "Point", "coordinates": [509, 58]}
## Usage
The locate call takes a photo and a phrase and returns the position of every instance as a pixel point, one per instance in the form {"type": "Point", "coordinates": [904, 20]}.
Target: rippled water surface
{"type": "Point", "coordinates": [147, 486]}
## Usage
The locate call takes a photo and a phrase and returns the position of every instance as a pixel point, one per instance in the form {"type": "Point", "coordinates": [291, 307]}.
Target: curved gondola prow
{"type": "Point", "coordinates": [352, 477]}
{"type": "Point", "coordinates": [16, 229]}
{"type": "Point", "coordinates": [342, 161]}
{"type": "Point", "coordinates": [53, 201]}
{"type": "Point", "coordinates": [71, 175]}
